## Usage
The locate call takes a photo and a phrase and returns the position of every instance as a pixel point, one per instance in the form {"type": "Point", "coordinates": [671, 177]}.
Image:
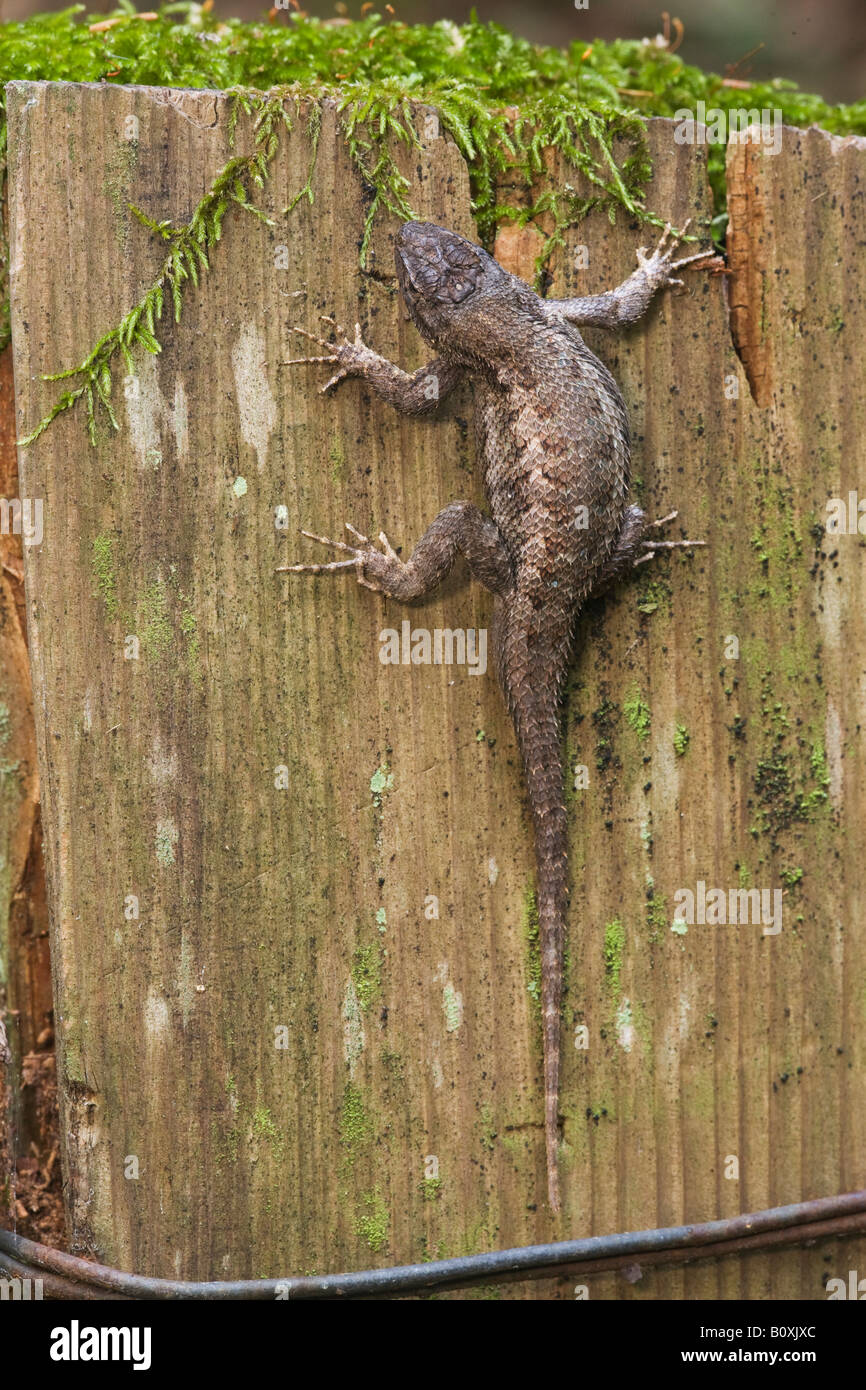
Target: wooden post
{"type": "Point", "coordinates": [290, 885]}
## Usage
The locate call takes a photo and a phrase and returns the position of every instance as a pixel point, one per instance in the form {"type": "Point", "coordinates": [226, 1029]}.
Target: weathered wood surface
{"type": "Point", "coordinates": [411, 1036]}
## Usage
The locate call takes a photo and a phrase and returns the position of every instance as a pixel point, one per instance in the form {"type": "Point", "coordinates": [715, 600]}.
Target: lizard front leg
{"type": "Point", "coordinates": [414, 394]}
{"type": "Point", "coordinates": [459, 529]}
{"type": "Point", "coordinates": [630, 300]}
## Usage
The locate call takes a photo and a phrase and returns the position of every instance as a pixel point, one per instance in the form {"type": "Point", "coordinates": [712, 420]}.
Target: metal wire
{"type": "Point", "coordinates": [68, 1277]}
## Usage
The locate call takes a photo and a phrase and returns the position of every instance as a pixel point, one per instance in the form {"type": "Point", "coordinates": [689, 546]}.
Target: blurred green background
{"type": "Point", "coordinates": [821, 44]}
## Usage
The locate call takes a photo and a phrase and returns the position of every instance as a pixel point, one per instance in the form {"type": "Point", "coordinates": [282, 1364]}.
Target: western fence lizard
{"type": "Point", "coordinates": [553, 438]}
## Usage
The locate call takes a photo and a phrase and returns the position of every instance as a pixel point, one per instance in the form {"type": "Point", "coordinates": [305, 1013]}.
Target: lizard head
{"type": "Point", "coordinates": [447, 282]}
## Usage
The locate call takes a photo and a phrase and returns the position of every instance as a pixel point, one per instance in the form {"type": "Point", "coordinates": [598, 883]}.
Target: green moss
{"type": "Point", "coordinates": [356, 1126]}
{"type": "Point", "coordinates": [777, 541]}
{"type": "Point", "coordinates": [338, 460]}
{"type": "Point", "coordinates": [656, 916]}
{"type": "Point", "coordinates": [264, 1127]}
{"type": "Point", "coordinates": [614, 951]}
{"type": "Point", "coordinates": [366, 975]}
{"type": "Point", "coordinates": [654, 594]}
{"type": "Point", "coordinates": [637, 713]}
{"type": "Point", "coordinates": [787, 792]}
{"type": "Point", "coordinates": [600, 1110]}
{"type": "Point", "coordinates": [394, 1065]}
{"type": "Point", "coordinates": [682, 739]}
{"type": "Point", "coordinates": [531, 937]}
{"type": "Point", "coordinates": [820, 773]}
{"type": "Point", "coordinates": [155, 630]}
{"type": "Point", "coordinates": [102, 567]}
{"type": "Point", "coordinates": [502, 99]}
{"type": "Point", "coordinates": [371, 1220]}
{"type": "Point", "coordinates": [430, 1188]}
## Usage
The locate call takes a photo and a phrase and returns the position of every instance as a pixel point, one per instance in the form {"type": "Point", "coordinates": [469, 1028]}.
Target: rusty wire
{"type": "Point", "coordinates": [67, 1277]}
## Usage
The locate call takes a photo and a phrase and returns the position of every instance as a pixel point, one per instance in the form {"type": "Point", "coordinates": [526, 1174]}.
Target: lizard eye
{"type": "Point", "coordinates": [459, 290]}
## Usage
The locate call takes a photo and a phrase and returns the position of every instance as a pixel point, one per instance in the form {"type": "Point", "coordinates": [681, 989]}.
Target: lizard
{"type": "Point", "coordinates": [552, 435]}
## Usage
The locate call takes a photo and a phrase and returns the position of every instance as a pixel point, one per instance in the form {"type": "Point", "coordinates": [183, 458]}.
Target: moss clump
{"type": "Point", "coordinates": [356, 1127]}
{"type": "Point", "coordinates": [656, 593]}
{"type": "Point", "coordinates": [637, 713]}
{"type": "Point", "coordinates": [471, 73]}
{"type": "Point", "coordinates": [102, 567]}
{"type": "Point", "coordinates": [656, 915]}
{"type": "Point", "coordinates": [503, 101]}
{"type": "Point", "coordinates": [155, 629]}
{"type": "Point", "coordinates": [682, 739]}
{"type": "Point", "coordinates": [265, 1128]}
{"type": "Point", "coordinates": [430, 1188]}
{"type": "Point", "coordinates": [366, 975]}
{"type": "Point", "coordinates": [614, 951]}
{"type": "Point", "coordinates": [531, 936]}
{"type": "Point", "coordinates": [371, 1220]}
{"type": "Point", "coordinates": [338, 461]}
{"type": "Point", "coordinates": [186, 258]}
{"type": "Point", "coordinates": [782, 783]}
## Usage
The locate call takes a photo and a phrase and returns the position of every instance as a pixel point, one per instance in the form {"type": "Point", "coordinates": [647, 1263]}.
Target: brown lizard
{"type": "Point", "coordinates": [553, 438]}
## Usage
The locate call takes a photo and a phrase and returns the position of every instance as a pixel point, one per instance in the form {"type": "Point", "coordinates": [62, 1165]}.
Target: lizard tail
{"type": "Point", "coordinates": [538, 733]}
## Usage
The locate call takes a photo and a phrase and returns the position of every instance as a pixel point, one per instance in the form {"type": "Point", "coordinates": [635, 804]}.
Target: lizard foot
{"type": "Point", "coordinates": [364, 555]}
{"type": "Point", "coordinates": [652, 548]}
{"type": "Point", "coordinates": [660, 265]}
{"type": "Point", "coordinates": [351, 355]}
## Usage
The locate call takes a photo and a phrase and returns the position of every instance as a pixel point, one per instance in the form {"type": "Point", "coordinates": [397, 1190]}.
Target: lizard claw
{"type": "Point", "coordinates": [349, 353]}
{"type": "Point", "coordinates": [298, 361]}
{"type": "Point", "coordinates": [359, 554]}
{"type": "Point", "coordinates": [660, 265]}
{"type": "Point", "coordinates": [653, 547]}
{"type": "Point", "coordinates": [335, 379]}
{"type": "Point", "coordinates": [313, 337]}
